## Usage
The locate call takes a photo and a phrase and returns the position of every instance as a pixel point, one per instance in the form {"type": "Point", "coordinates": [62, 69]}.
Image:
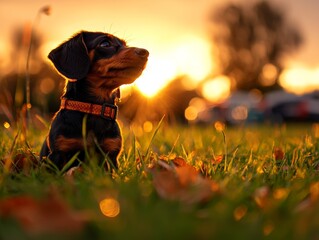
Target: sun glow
{"type": "Point", "coordinates": [300, 80]}
{"type": "Point", "coordinates": [189, 56]}
{"type": "Point", "coordinates": [155, 77]}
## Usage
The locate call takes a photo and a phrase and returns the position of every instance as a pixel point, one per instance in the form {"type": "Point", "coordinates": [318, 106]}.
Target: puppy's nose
{"type": "Point", "coordinates": [141, 52]}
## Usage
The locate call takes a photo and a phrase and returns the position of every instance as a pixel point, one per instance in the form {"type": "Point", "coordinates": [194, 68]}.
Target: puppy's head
{"type": "Point", "coordinates": [102, 59]}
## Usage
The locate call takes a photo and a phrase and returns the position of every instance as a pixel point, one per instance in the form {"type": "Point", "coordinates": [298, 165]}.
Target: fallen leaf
{"type": "Point", "coordinates": [179, 162]}
{"type": "Point", "coordinates": [20, 162]}
{"type": "Point", "coordinates": [38, 216]}
{"type": "Point", "coordinates": [278, 153]}
{"type": "Point", "coordinates": [187, 175]}
{"type": "Point", "coordinates": [166, 184]}
{"type": "Point", "coordinates": [176, 161]}
{"type": "Point", "coordinates": [218, 159]}
{"type": "Point", "coordinates": [182, 183]}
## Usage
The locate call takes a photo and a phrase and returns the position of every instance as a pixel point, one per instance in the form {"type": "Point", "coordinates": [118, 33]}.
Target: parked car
{"type": "Point", "coordinates": [285, 107]}
{"type": "Point", "coordinates": [276, 106]}
{"type": "Point", "coordinates": [238, 108]}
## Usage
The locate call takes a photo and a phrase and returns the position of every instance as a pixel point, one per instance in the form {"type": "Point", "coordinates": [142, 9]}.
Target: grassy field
{"type": "Point", "coordinates": [263, 184]}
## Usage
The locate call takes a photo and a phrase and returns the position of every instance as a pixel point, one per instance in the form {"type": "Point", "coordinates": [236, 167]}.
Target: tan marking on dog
{"type": "Point", "coordinates": [68, 144]}
{"type": "Point", "coordinates": [112, 144]}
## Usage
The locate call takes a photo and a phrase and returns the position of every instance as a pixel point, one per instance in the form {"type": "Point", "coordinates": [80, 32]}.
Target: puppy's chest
{"type": "Point", "coordinates": [102, 127]}
{"type": "Point", "coordinates": [75, 123]}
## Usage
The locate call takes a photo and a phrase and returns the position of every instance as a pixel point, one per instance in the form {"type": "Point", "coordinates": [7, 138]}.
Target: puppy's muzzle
{"type": "Point", "coordinates": [141, 52]}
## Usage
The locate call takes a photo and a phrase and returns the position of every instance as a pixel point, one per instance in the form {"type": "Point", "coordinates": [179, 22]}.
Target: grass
{"type": "Point", "coordinates": [268, 180]}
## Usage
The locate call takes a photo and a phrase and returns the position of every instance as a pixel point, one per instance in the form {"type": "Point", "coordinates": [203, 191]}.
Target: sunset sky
{"type": "Point", "coordinates": [175, 32]}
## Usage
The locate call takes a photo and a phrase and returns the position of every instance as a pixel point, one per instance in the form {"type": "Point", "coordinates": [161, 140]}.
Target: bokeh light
{"type": "Point", "coordinates": [217, 89]}
{"type": "Point", "coordinates": [269, 74]}
{"type": "Point", "coordinates": [300, 80]}
{"type": "Point", "coordinates": [219, 126]}
{"type": "Point", "coordinates": [196, 105]}
{"type": "Point", "coordinates": [6, 125]}
{"type": "Point", "coordinates": [191, 113]}
{"type": "Point", "coordinates": [239, 113]}
{"type": "Point", "coordinates": [110, 207]}
{"type": "Point", "coordinates": [147, 126]}
{"type": "Point", "coordinates": [47, 85]}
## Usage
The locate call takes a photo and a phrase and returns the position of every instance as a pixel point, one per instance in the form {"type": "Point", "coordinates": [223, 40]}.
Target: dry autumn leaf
{"type": "Point", "coordinates": [218, 159]}
{"type": "Point", "coordinates": [182, 183]}
{"type": "Point", "coordinates": [179, 162]}
{"type": "Point", "coordinates": [20, 162]}
{"type": "Point", "coordinates": [278, 153]}
{"type": "Point", "coordinates": [48, 215]}
{"type": "Point", "coordinates": [176, 161]}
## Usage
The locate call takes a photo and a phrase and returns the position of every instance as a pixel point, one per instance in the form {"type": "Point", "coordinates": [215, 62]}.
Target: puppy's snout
{"type": "Point", "coordinates": [141, 52]}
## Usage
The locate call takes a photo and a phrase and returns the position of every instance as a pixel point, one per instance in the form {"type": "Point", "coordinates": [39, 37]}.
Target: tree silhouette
{"type": "Point", "coordinates": [252, 42]}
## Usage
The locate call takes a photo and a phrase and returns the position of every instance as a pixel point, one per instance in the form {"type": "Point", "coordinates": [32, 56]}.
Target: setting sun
{"type": "Point", "coordinates": [156, 75]}
{"type": "Point", "coordinates": [191, 57]}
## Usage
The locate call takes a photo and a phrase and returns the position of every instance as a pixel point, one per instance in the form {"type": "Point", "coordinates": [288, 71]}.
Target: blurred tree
{"type": "Point", "coordinates": [252, 42]}
{"type": "Point", "coordinates": [46, 85]}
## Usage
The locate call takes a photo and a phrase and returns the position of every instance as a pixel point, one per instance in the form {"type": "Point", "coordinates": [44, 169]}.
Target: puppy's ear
{"type": "Point", "coordinates": [71, 58]}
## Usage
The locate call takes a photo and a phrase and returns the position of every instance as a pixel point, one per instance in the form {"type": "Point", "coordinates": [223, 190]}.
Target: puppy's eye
{"type": "Point", "coordinates": [105, 44]}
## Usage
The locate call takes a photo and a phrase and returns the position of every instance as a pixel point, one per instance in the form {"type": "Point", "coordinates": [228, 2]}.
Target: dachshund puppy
{"type": "Point", "coordinates": [95, 65]}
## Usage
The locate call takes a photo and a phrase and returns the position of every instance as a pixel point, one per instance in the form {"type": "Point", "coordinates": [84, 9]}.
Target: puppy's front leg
{"type": "Point", "coordinates": [63, 149]}
{"type": "Point", "coordinates": [112, 147]}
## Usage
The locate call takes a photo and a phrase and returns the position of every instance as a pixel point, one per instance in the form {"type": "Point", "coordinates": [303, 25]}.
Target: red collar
{"type": "Point", "coordinates": [106, 110]}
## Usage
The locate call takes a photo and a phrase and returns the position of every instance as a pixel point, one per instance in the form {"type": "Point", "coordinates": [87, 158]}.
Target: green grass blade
{"type": "Point", "coordinates": [69, 163]}
{"type": "Point", "coordinates": [153, 136]}
{"type": "Point", "coordinates": [50, 165]}
{"type": "Point", "coordinates": [105, 156]}
{"type": "Point", "coordinates": [84, 130]}
{"type": "Point", "coordinates": [174, 145]}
